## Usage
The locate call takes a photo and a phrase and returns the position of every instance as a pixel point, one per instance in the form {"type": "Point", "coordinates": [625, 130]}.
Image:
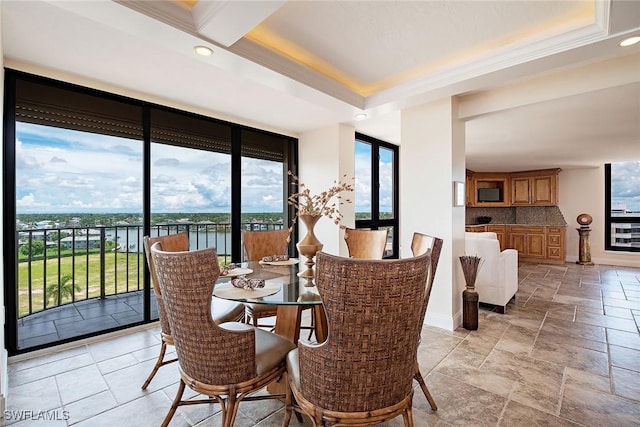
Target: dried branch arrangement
{"type": "Point", "coordinates": [326, 203]}
{"type": "Point", "coordinates": [470, 265]}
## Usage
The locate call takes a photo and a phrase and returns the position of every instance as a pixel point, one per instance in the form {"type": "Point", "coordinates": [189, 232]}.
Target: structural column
{"type": "Point", "coordinates": [327, 155]}
{"type": "Point", "coordinates": [432, 158]}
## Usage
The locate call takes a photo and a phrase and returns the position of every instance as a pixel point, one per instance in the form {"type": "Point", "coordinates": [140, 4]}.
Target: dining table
{"type": "Point", "coordinates": [284, 288]}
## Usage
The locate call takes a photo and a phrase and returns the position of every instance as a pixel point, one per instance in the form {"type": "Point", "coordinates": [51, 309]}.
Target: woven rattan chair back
{"type": "Point", "coordinates": [420, 244]}
{"type": "Point", "coordinates": [186, 280]}
{"type": "Point", "coordinates": [225, 311]}
{"type": "Point", "coordinates": [259, 244]}
{"type": "Point", "coordinates": [366, 244]}
{"type": "Point", "coordinates": [367, 362]}
{"type": "Point", "coordinates": [226, 362]}
{"type": "Point", "coordinates": [171, 243]}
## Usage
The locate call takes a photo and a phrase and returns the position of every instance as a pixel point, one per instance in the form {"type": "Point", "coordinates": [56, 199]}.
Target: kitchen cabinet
{"type": "Point", "coordinates": [536, 243]}
{"type": "Point", "coordinates": [501, 232]}
{"type": "Point", "coordinates": [490, 190]}
{"type": "Point", "coordinates": [529, 241]}
{"type": "Point", "coordinates": [556, 249]}
{"type": "Point", "coordinates": [527, 188]}
{"type": "Point", "coordinates": [469, 189]}
{"type": "Point", "coordinates": [535, 188]}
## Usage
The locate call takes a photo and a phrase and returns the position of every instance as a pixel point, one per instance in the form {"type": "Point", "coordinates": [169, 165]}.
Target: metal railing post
{"type": "Point", "coordinates": [103, 242]}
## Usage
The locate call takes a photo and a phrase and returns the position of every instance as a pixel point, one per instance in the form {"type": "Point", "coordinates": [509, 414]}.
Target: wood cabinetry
{"type": "Point", "coordinates": [469, 189]}
{"type": "Point", "coordinates": [529, 241]}
{"type": "Point", "coordinates": [528, 188]}
{"type": "Point", "coordinates": [490, 190]}
{"type": "Point", "coordinates": [501, 231]}
{"type": "Point", "coordinates": [556, 249]}
{"type": "Point", "coordinates": [533, 243]}
{"type": "Point", "coordinates": [535, 188]}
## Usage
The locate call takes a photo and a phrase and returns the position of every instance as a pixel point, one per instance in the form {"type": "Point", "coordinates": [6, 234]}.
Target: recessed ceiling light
{"type": "Point", "coordinates": [360, 116]}
{"type": "Point", "coordinates": [629, 41]}
{"type": "Point", "coordinates": [203, 50]}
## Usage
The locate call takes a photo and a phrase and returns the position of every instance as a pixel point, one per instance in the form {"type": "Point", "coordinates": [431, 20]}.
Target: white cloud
{"type": "Point", "coordinates": [70, 171]}
{"type": "Point", "coordinates": [29, 203]}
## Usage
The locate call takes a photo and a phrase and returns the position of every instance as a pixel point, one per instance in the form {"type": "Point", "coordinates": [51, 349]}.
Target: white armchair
{"type": "Point", "coordinates": [497, 280]}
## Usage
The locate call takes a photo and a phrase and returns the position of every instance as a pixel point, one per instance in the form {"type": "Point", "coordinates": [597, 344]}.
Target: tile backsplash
{"type": "Point", "coordinates": [532, 215]}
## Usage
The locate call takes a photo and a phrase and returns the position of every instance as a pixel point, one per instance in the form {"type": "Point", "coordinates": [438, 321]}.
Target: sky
{"type": "Point", "coordinates": [625, 185]}
{"type": "Point", "coordinates": [66, 171]}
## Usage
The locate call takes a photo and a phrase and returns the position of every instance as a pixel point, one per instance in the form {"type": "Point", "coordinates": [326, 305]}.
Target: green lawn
{"type": "Point", "coordinates": [118, 277]}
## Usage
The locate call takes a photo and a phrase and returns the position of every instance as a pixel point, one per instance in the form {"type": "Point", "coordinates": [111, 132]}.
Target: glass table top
{"type": "Point", "coordinates": [281, 281]}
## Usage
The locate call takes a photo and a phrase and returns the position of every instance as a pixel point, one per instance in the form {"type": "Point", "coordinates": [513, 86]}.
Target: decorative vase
{"type": "Point", "coordinates": [309, 244]}
{"type": "Point", "coordinates": [470, 265]}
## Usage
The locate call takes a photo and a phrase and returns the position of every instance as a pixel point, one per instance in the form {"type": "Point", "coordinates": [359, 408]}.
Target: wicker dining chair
{"type": "Point", "coordinates": [366, 244]}
{"type": "Point", "coordinates": [363, 373]}
{"type": "Point", "coordinates": [420, 244]}
{"type": "Point", "coordinates": [257, 245]}
{"type": "Point", "coordinates": [226, 362]}
{"type": "Point", "coordinates": [223, 310]}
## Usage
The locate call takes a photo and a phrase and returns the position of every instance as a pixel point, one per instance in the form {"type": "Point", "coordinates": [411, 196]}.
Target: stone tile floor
{"type": "Point", "coordinates": [567, 352]}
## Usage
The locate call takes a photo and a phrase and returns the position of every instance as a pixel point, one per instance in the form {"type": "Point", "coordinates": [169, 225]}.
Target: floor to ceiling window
{"type": "Point", "coordinates": [191, 180]}
{"type": "Point", "coordinates": [78, 196]}
{"type": "Point", "coordinates": [88, 174]}
{"type": "Point", "coordinates": [622, 206]}
{"type": "Point", "coordinates": [263, 181]}
{"type": "Point", "coordinates": [376, 189]}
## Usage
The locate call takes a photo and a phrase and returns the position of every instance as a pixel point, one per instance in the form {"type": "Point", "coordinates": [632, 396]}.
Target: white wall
{"type": "Point", "coordinates": [431, 158]}
{"type": "Point", "coordinates": [327, 155]}
{"type": "Point", "coordinates": [3, 351]}
{"type": "Point", "coordinates": [582, 191]}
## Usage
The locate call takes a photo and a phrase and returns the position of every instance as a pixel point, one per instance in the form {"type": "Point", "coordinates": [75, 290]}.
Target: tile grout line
{"type": "Point", "coordinates": [561, 396]}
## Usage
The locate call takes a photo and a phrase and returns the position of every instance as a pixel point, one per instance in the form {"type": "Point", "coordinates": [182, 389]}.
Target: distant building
{"type": "Point", "coordinates": [625, 235]}
{"type": "Point", "coordinates": [92, 241]}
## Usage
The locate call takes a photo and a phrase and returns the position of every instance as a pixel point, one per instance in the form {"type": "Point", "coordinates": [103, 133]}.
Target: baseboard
{"type": "Point", "coordinates": [444, 322]}
{"type": "Point", "coordinates": [610, 261]}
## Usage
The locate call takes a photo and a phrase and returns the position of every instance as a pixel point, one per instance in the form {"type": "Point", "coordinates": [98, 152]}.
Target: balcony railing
{"type": "Point", "coordinates": [59, 266]}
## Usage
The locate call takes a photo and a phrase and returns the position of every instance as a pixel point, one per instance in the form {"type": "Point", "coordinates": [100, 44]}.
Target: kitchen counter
{"type": "Point", "coordinates": [534, 242]}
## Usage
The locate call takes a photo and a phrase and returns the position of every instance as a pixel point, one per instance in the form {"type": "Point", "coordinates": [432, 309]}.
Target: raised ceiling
{"type": "Point", "coordinates": [293, 66]}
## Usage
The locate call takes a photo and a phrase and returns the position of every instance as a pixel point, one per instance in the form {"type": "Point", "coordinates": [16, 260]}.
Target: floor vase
{"type": "Point", "coordinates": [470, 265]}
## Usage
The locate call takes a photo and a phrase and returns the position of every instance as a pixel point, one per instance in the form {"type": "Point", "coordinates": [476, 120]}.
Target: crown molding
{"type": "Point", "coordinates": [168, 12]}
{"type": "Point", "coordinates": [296, 71]}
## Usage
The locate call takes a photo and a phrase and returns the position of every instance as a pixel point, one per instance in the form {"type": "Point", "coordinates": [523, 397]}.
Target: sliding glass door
{"type": "Point", "coordinates": [78, 207]}
{"type": "Point", "coordinates": [88, 174]}
{"type": "Point", "coordinates": [263, 181]}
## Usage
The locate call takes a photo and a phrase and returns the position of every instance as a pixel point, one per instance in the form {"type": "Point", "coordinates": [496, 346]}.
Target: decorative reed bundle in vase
{"type": "Point", "coordinates": [470, 265]}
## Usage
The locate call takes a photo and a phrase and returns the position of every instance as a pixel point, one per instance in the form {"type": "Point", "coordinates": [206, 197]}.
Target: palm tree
{"type": "Point", "coordinates": [67, 289]}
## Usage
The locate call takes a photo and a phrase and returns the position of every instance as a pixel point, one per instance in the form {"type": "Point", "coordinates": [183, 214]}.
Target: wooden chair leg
{"type": "Point", "coordinates": [418, 377]}
{"type": "Point", "coordinates": [232, 410]}
{"type": "Point", "coordinates": [407, 416]}
{"type": "Point", "coordinates": [288, 401]}
{"type": "Point", "coordinates": [163, 349]}
{"type": "Point", "coordinates": [175, 404]}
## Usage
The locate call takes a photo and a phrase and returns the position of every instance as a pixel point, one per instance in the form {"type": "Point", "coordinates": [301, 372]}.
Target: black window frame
{"type": "Point", "coordinates": [290, 162]}
{"type": "Point", "coordinates": [376, 222]}
{"type": "Point", "coordinates": [610, 219]}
